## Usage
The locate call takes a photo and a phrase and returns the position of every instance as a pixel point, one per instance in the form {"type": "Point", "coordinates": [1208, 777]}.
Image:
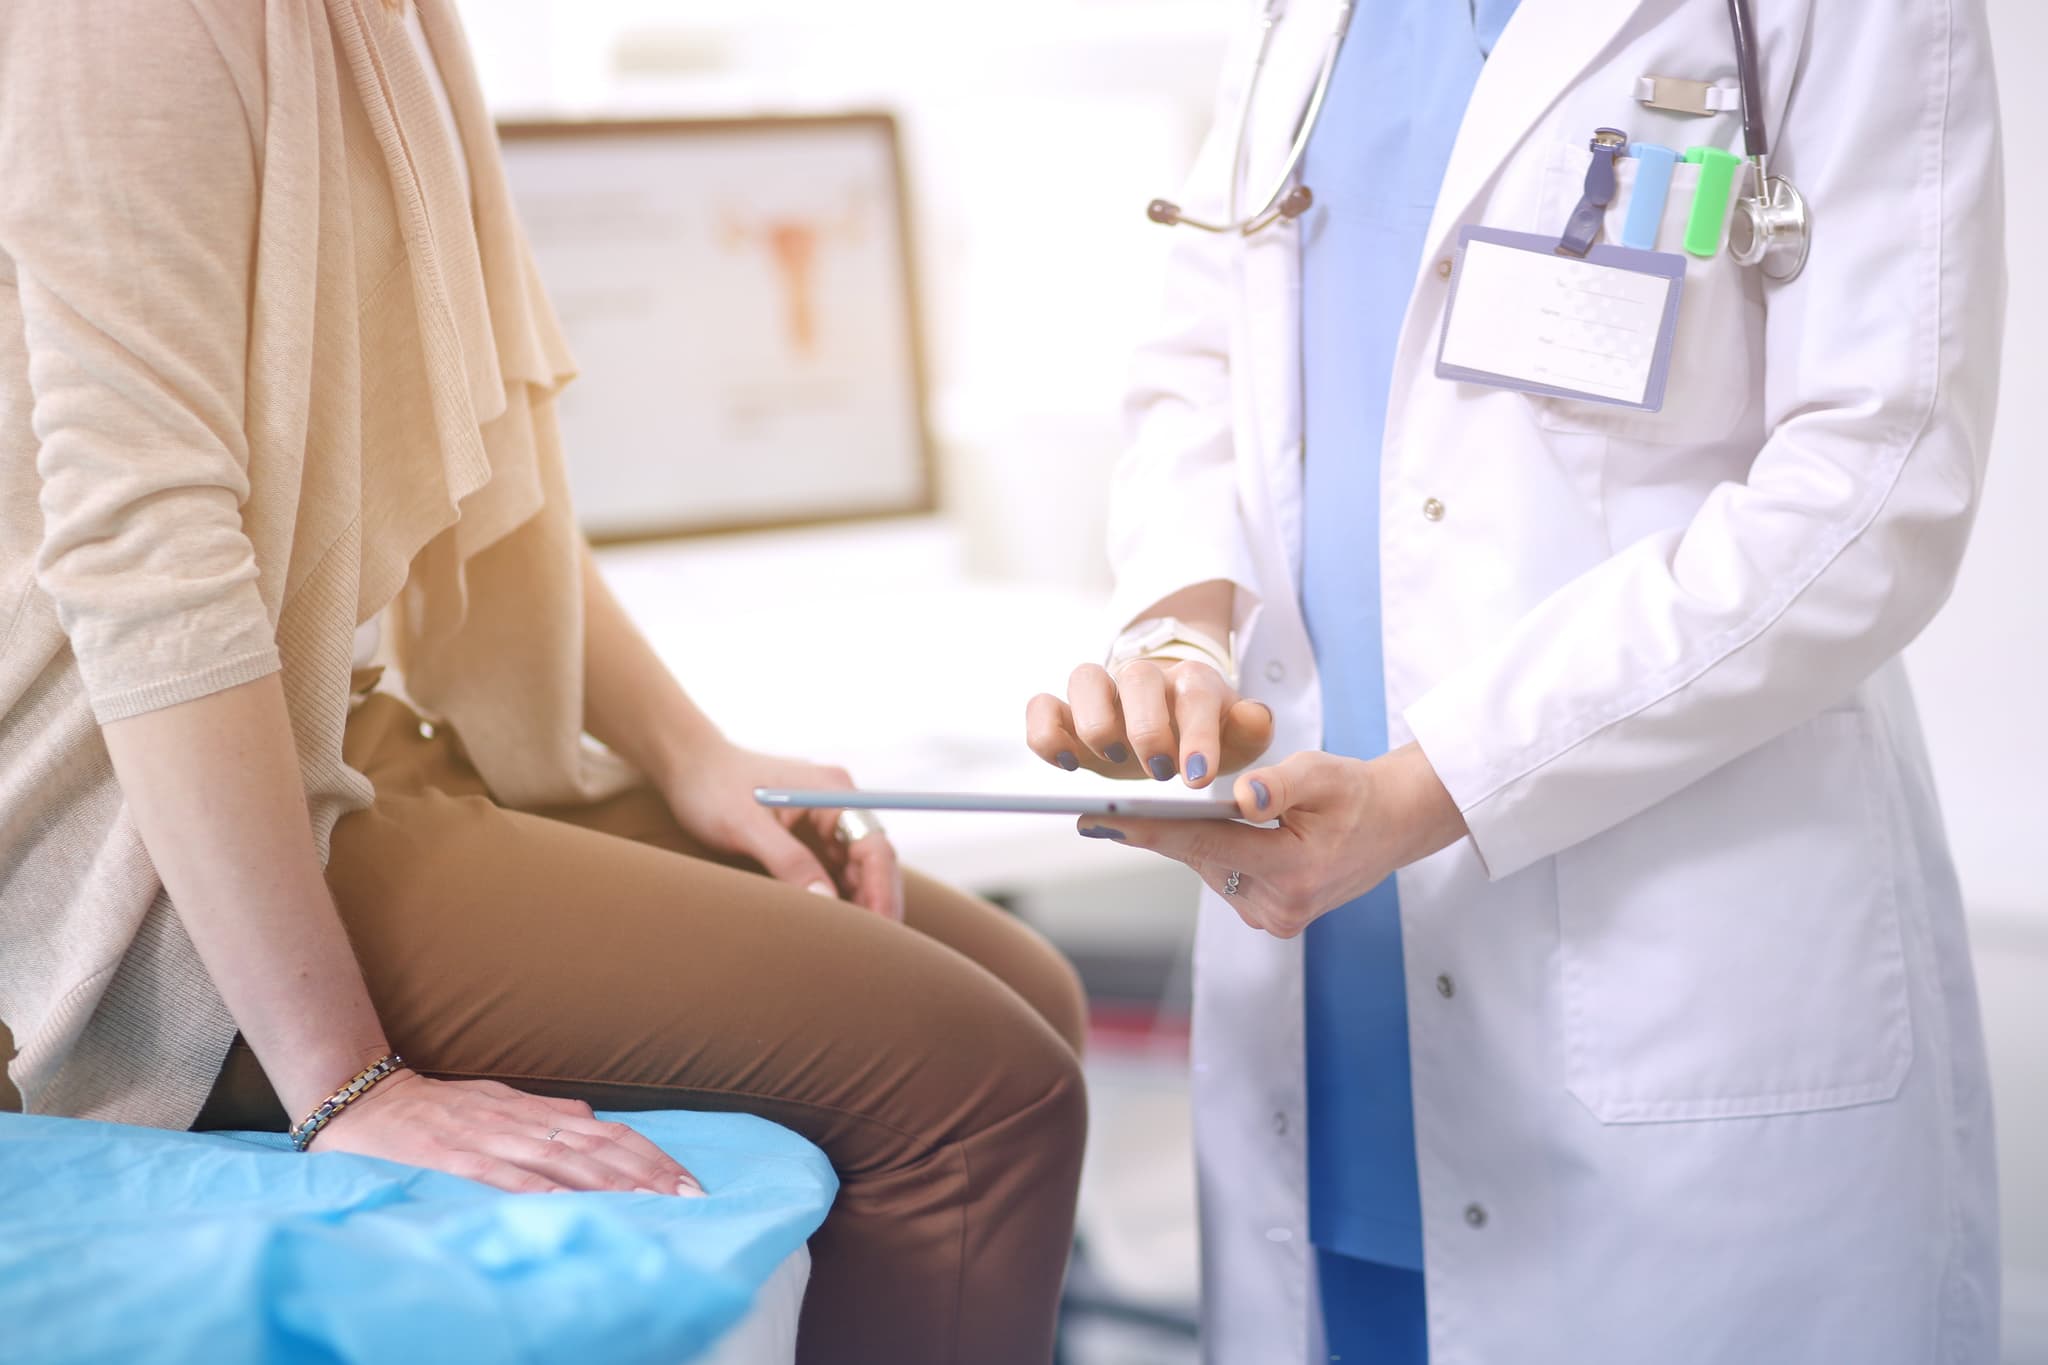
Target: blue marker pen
{"type": "Point", "coordinates": [1646, 204]}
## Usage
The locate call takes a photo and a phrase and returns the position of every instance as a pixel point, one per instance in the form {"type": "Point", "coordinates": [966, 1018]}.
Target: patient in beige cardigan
{"type": "Point", "coordinates": [277, 386]}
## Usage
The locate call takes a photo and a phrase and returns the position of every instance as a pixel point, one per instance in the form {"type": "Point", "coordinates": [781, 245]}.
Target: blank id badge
{"type": "Point", "coordinates": [1521, 316]}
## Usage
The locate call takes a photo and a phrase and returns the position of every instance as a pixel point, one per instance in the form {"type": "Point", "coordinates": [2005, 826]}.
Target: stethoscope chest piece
{"type": "Point", "coordinates": [1772, 230]}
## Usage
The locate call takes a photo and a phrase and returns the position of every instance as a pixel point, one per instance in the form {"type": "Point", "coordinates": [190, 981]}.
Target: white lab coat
{"type": "Point", "coordinates": [1698, 1072]}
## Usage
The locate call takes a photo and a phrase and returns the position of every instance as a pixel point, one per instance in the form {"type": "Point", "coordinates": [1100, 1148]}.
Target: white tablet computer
{"type": "Point", "coordinates": [1138, 807]}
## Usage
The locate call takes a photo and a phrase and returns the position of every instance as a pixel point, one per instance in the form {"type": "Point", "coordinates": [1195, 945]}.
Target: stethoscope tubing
{"type": "Point", "coordinates": [1754, 139]}
{"type": "Point", "coordinates": [1282, 201]}
{"type": "Point", "coordinates": [1285, 203]}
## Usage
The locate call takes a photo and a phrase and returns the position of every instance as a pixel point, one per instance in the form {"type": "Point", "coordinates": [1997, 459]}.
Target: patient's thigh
{"type": "Point", "coordinates": [992, 938]}
{"type": "Point", "coordinates": [574, 961]}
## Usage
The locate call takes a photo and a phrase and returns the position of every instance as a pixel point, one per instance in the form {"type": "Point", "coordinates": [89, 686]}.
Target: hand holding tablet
{"type": "Point", "coordinates": [1137, 807]}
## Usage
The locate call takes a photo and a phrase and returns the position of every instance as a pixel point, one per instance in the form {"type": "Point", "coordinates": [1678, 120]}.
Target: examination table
{"type": "Point", "coordinates": [138, 1244]}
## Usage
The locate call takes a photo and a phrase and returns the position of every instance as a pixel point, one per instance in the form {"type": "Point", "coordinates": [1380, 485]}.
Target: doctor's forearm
{"type": "Point", "coordinates": [1431, 820]}
{"type": "Point", "coordinates": [1208, 607]}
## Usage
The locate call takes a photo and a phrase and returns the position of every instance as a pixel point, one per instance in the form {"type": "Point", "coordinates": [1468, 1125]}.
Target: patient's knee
{"type": "Point", "coordinates": [1066, 1009]}
{"type": "Point", "coordinates": [1057, 1113]}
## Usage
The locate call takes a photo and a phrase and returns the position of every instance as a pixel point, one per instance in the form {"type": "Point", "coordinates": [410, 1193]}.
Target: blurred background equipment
{"type": "Point", "coordinates": [738, 296]}
{"type": "Point", "coordinates": [1032, 136]}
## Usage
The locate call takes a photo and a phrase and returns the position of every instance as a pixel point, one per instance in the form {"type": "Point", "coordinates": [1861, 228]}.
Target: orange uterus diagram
{"type": "Point", "coordinates": [793, 243]}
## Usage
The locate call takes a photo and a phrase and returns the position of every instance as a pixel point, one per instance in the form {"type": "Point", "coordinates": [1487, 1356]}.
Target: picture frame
{"type": "Point", "coordinates": [740, 297]}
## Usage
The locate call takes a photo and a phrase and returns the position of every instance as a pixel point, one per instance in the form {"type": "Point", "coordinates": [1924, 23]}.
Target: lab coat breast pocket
{"type": "Point", "coordinates": [1714, 371]}
{"type": "Point", "coordinates": [1736, 950]}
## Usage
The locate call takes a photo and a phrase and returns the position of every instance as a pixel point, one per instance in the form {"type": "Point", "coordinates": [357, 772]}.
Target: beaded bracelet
{"type": "Point", "coordinates": [365, 1081]}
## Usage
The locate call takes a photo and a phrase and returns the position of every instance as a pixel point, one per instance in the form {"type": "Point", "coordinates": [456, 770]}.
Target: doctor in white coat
{"type": "Point", "coordinates": [1697, 1070]}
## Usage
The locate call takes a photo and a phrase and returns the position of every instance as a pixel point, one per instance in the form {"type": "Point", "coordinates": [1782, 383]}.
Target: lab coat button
{"type": "Point", "coordinates": [426, 729]}
{"type": "Point", "coordinates": [1432, 509]}
{"type": "Point", "coordinates": [1443, 268]}
{"type": "Point", "coordinates": [1275, 671]}
{"type": "Point", "coordinates": [1475, 1216]}
{"type": "Point", "coordinates": [1280, 1123]}
{"type": "Point", "coordinates": [1445, 986]}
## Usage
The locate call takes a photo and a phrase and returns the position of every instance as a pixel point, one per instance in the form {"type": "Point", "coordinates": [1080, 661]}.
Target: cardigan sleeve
{"type": "Point", "coordinates": [128, 194]}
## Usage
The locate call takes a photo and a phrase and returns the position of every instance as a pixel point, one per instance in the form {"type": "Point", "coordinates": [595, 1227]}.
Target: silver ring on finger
{"type": "Point", "coordinates": [553, 1133]}
{"type": "Point", "coordinates": [852, 826]}
{"type": "Point", "coordinates": [1230, 883]}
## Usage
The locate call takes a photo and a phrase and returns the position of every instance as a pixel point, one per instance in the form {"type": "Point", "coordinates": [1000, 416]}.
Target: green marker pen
{"type": "Point", "coordinates": [1710, 201]}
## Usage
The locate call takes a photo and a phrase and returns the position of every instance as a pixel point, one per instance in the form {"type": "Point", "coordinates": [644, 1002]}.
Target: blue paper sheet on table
{"type": "Point", "coordinates": [136, 1244]}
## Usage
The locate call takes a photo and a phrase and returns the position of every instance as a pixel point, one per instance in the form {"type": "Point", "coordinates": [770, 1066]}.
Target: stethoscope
{"type": "Point", "coordinates": [1772, 229]}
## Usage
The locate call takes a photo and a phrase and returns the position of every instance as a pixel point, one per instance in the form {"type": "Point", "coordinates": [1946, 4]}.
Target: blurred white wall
{"type": "Point", "coordinates": [1981, 667]}
{"type": "Point", "coordinates": [1035, 134]}
{"type": "Point", "coordinates": [1980, 672]}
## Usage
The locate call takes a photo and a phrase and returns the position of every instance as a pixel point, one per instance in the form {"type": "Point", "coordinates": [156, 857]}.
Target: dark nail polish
{"type": "Point", "coordinates": [1068, 761]}
{"type": "Point", "coordinates": [1261, 795]}
{"type": "Point", "coordinates": [1101, 832]}
{"type": "Point", "coordinates": [1161, 766]}
{"type": "Point", "coordinates": [1116, 753]}
{"type": "Point", "coordinates": [1198, 767]}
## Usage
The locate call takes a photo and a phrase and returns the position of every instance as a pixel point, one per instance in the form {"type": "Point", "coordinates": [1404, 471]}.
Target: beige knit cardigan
{"type": "Point", "coordinates": [263, 370]}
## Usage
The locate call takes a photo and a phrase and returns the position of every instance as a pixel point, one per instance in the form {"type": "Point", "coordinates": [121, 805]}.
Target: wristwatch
{"type": "Point", "coordinates": [1169, 637]}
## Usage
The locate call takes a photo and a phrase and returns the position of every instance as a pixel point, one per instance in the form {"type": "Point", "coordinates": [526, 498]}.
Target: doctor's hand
{"type": "Point", "coordinates": [1154, 719]}
{"type": "Point", "coordinates": [1344, 825]}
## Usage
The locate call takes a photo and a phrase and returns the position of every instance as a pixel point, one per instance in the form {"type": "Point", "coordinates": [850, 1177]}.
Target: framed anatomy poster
{"type": "Point", "coordinates": [739, 298]}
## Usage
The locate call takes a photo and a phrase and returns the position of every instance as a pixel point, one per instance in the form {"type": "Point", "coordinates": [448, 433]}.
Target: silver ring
{"type": "Point", "coordinates": [552, 1135]}
{"type": "Point", "coordinates": [1230, 883]}
{"type": "Point", "coordinates": [855, 825]}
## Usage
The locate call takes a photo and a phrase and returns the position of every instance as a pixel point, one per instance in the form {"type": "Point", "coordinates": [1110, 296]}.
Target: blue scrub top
{"type": "Point", "coordinates": [1375, 163]}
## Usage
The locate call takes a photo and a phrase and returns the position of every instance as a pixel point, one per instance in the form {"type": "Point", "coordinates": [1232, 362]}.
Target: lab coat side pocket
{"type": "Point", "coordinates": [1736, 950]}
{"type": "Point", "coordinates": [1720, 318]}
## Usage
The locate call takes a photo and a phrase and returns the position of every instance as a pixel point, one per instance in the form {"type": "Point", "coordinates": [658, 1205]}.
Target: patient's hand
{"type": "Point", "coordinates": [712, 797]}
{"type": "Point", "coordinates": [1153, 719]}
{"type": "Point", "coordinates": [485, 1131]}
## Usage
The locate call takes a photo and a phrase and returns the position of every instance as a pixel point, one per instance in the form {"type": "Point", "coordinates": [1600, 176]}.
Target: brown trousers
{"type": "Point", "coordinates": [602, 954]}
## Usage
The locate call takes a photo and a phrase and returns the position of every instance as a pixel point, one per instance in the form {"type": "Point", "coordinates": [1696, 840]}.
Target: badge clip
{"type": "Point", "coordinates": [1584, 228]}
